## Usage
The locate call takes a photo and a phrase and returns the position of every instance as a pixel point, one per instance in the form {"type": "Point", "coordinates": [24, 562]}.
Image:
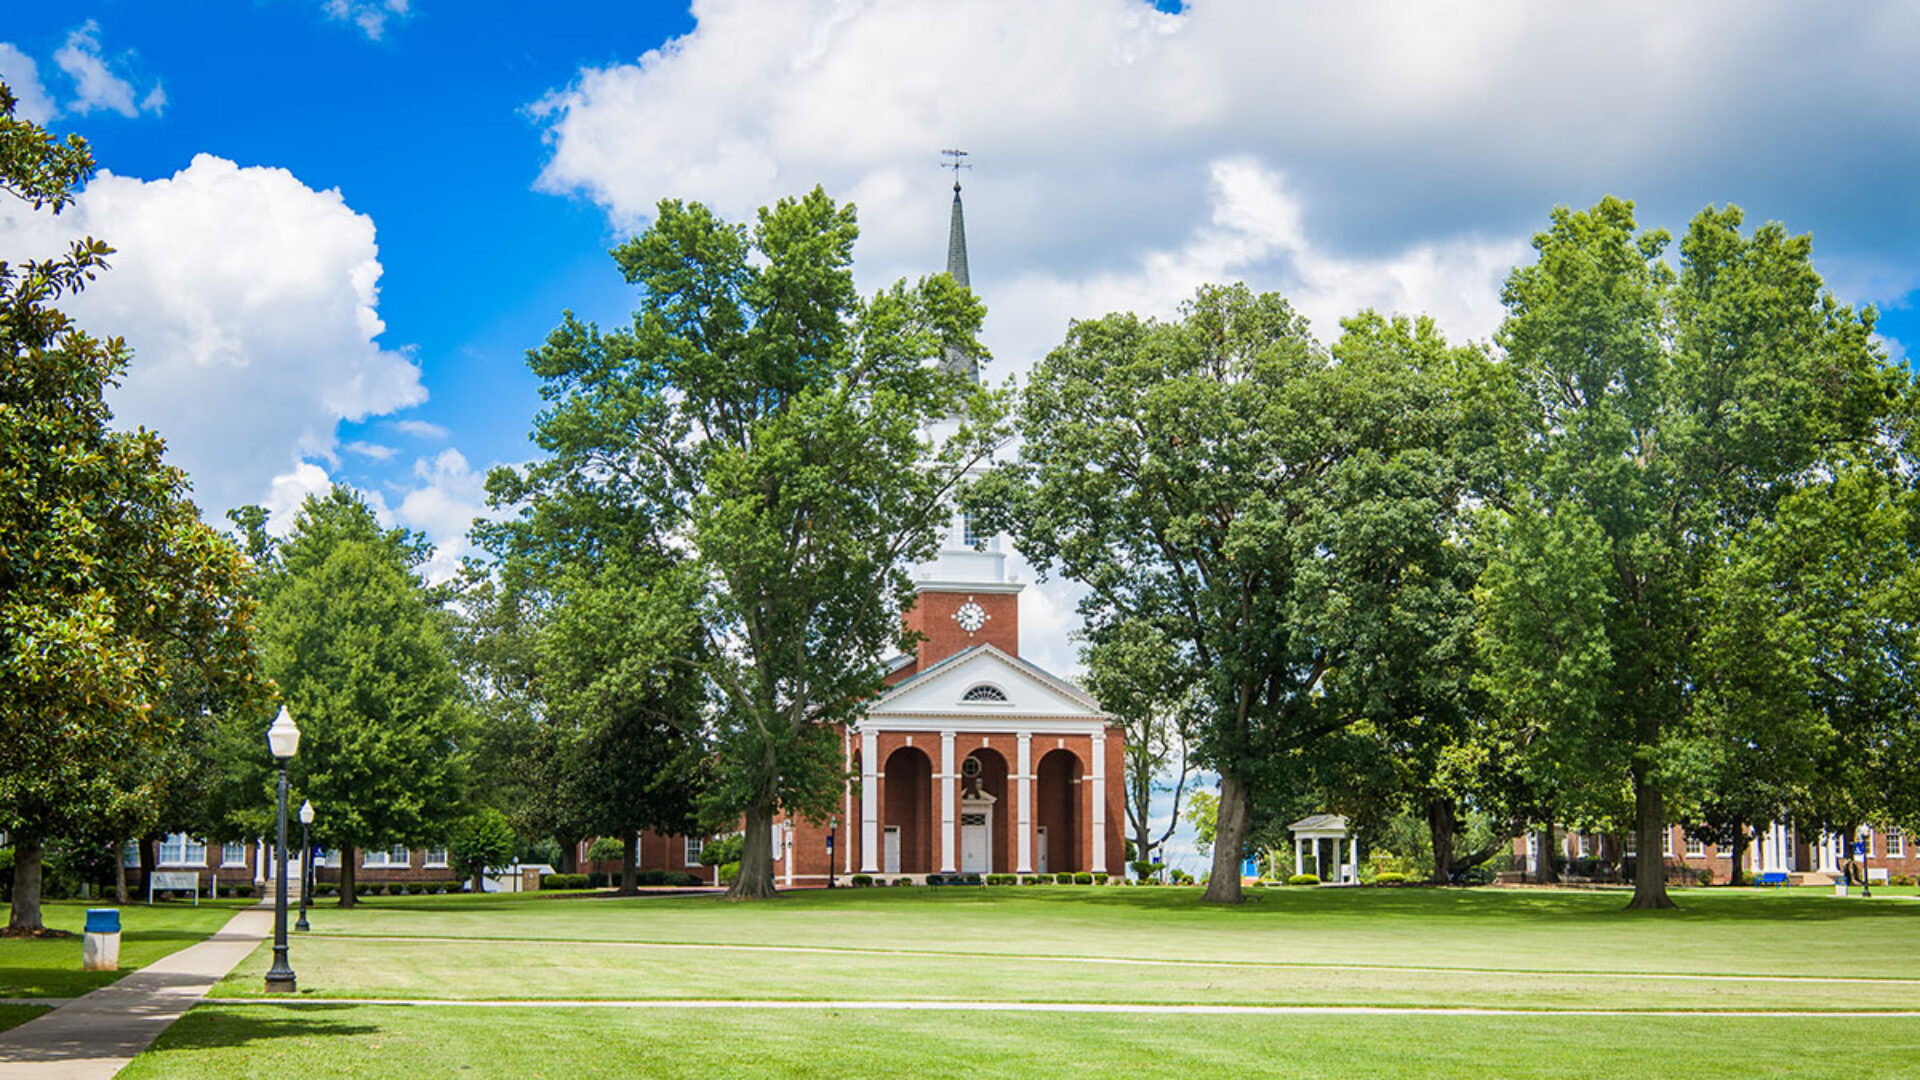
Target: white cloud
{"type": "Point", "coordinates": [450, 495]}
{"type": "Point", "coordinates": [1125, 153]}
{"type": "Point", "coordinates": [249, 301]}
{"type": "Point", "coordinates": [365, 449]}
{"type": "Point", "coordinates": [22, 76]}
{"type": "Point", "coordinates": [369, 15]}
{"type": "Point", "coordinates": [286, 493]}
{"type": "Point", "coordinates": [94, 80]}
{"type": "Point", "coordinates": [420, 429]}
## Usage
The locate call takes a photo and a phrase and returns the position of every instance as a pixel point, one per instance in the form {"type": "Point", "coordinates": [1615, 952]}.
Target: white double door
{"type": "Point", "coordinates": [976, 837]}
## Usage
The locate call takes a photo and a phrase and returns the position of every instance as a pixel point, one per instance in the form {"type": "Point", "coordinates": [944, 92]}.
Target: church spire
{"type": "Point", "coordinates": [954, 361]}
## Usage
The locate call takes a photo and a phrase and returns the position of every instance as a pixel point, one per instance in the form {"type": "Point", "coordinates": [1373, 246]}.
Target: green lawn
{"type": "Point", "coordinates": [367, 1041]}
{"type": "Point", "coordinates": [1485, 947]}
{"type": "Point", "coordinates": [51, 967]}
{"type": "Point", "coordinates": [13, 1015]}
{"type": "Point", "coordinates": [1800, 951]}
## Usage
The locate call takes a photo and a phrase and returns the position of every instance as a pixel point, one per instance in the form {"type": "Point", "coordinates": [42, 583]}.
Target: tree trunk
{"type": "Point", "coordinates": [1649, 865]}
{"type": "Point", "coordinates": [1442, 823]}
{"type": "Point", "coordinates": [1543, 871]}
{"type": "Point", "coordinates": [755, 880]}
{"type": "Point", "coordinates": [149, 861]}
{"type": "Point", "coordinates": [24, 918]}
{"type": "Point", "coordinates": [349, 856]}
{"type": "Point", "coordinates": [1229, 836]}
{"type": "Point", "coordinates": [569, 854]}
{"type": "Point", "coordinates": [630, 863]}
{"type": "Point", "coordinates": [1738, 876]}
{"type": "Point", "coordinates": [119, 876]}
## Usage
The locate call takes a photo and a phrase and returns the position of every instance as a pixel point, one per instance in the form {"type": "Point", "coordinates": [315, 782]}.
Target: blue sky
{"type": "Point", "coordinates": [343, 222]}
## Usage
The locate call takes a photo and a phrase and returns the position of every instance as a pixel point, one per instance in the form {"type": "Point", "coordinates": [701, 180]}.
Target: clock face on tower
{"type": "Point", "coordinates": [971, 617]}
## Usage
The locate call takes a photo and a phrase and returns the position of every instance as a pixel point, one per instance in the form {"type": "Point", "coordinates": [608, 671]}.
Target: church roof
{"type": "Point", "coordinates": [1065, 693]}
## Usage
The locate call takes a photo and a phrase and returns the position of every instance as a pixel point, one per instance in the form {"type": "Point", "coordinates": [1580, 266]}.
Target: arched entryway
{"type": "Point", "coordinates": [906, 833]}
{"type": "Point", "coordinates": [986, 816]}
{"type": "Point", "coordinates": [1056, 819]}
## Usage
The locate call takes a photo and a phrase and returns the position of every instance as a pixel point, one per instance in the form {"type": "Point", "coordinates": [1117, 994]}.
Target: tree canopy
{"type": "Point", "coordinates": [116, 602]}
{"type": "Point", "coordinates": [758, 432]}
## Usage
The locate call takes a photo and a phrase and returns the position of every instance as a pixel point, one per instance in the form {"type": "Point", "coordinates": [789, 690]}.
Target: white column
{"type": "Point", "coordinates": [869, 804]}
{"type": "Point", "coordinates": [1099, 802]}
{"type": "Point", "coordinates": [1023, 785]}
{"type": "Point", "coordinates": [1299, 858]}
{"type": "Point", "coordinates": [948, 837]}
{"type": "Point", "coordinates": [786, 842]}
{"type": "Point", "coordinates": [1353, 855]}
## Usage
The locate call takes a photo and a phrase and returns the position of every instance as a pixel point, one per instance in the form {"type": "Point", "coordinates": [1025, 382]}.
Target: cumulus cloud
{"type": "Point", "coordinates": [95, 83]}
{"type": "Point", "coordinates": [250, 303]}
{"type": "Point", "coordinates": [22, 76]}
{"type": "Point", "coordinates": [370, 16]}
{"type": "Point", "coordinates": [1414, 141]}
{"type": "Point", "coordinates": [449, 495]}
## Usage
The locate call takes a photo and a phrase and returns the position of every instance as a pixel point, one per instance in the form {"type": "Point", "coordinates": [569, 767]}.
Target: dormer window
{"type": "Point", "coordinates": [985, 692]}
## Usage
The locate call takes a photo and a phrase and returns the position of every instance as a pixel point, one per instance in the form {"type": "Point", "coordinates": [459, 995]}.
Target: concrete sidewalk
{"type": "Point", "coordinates": [93, 1037]}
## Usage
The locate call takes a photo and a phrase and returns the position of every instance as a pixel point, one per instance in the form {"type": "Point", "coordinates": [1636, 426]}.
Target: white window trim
{"type": "Point", "coordinates": [1666, 842]}
{"type": "Point", "coordinates": [1896, 843]}
{"type": "Point", "coordinates": [187, 844]}
{"type": "Point", "coordinates": [436, 864]}
{"type": "Point", "coordinates": [227, 863]}
{"type": "Point", "coordinates": [386, 858]}
{"type": "Point", "coordinates": [692, 851]}
{"type": "Point", "coordinates": [1695, 849]}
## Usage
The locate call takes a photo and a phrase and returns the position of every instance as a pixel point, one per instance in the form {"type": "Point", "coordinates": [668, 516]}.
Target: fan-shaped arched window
{"type": "Point", "coordinates": [984, 692]}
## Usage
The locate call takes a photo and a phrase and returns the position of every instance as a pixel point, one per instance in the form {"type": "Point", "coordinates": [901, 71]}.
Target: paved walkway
{"type": "Point", "coordinates": [93, 1037]}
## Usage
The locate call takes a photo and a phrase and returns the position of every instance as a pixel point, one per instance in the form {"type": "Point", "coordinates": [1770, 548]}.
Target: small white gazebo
{"type": "Point", "coordinates": [1332, 827]}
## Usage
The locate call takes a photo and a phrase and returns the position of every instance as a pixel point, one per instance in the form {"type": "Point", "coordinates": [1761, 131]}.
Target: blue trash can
{"type": "Point", "coordinates": [100, 949]}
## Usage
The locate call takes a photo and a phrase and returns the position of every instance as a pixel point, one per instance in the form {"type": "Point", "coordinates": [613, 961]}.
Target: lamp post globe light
{"type": "Point", "coordinates": [283, 738]}
{"type": "Point", "coordinates": [306, 861]}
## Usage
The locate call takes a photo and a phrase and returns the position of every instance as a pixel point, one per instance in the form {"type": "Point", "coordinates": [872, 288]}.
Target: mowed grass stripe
{"type": "Point", "coordinates": [1135, 961]}
{"type": "Point", "coordinates": [236, 1042]}
{"type": "Point", "coordinates": [493, 970]}
{"type": "Point", "coordinates": [1125, 1008]}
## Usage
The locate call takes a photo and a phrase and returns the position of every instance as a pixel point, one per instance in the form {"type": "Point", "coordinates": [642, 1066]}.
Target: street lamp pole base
{"type": "Point", "coordinates": [285, 985]}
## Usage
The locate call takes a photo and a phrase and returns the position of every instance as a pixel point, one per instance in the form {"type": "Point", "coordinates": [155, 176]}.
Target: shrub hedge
{"type": "Point", "coordinates": [1304, 879]}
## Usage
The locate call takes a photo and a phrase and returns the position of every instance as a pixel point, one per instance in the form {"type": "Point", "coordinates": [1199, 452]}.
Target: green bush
{"type": "Point", "coordinates": [608, 848]}
{"type": "Point", "coordinates": [680, 879]}
{"type": "Point", "coordinates": [729, 871]}
{"type": "Point", "coordinates": [936, 879]}
{"type": "Point", "coordinates": [903, 881]}
{"type": "Point", "coordinates": [1180, 877]}
{"type": "Point", "coordinates": [563, 881]}
{"type": "Point", "coordinates": [1064, 877]}
{"type": "Point", "coordinates": [1304, 879]}
{"type": "Point", "coordinates": [1083, 878]}
{"type": "Point", "coordinates": [1389, 877]}
{"type": "Point", "coordinates": [597, 880]}
{"type": "Point", "coordinates": [861, 881]}
{"type": "Point", "coordinates": [1143, 870]}
{"type": "Point", "coordinates": [652, 877]}
{"type": "Point", "coordinates": [1100, 879]}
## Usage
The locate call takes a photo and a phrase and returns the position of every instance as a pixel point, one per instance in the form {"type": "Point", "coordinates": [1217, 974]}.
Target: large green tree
{"type": "Point", "coordinates": [352, 640]}
{"type": "Point", "coordinates": [1220, 478]}
{"type": "Point", "coordinates": [114, 597]}
{"type": "Point", "coordinates": [1660, 416]}
{"type": "Point", "coordinates": [767, 426]}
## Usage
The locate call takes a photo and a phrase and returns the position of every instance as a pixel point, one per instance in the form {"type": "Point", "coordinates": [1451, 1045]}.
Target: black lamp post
{"type": "Point", "coordinates": [833, 825]}
{"type": "Point", "coordinates": [1866, 860]}
{"type": "Point", "coordinates": [284, 740]}
{"type": "Point", "coordinates": [306, 862]}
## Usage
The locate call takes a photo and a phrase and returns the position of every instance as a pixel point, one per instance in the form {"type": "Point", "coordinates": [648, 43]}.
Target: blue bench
{"type": "Point", "coordinates": [1774, 878]}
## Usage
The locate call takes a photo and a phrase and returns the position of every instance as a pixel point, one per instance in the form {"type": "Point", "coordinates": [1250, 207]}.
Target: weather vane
{"type": "Point", "coordinates": [955, 163]}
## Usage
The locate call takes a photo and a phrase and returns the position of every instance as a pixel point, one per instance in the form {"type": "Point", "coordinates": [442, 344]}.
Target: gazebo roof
{"type": "Point", "coordinates": [1320, 825]}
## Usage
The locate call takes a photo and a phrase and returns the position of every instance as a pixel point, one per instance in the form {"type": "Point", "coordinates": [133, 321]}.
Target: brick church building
{"type": "Point", "coordinates": [973, 759]}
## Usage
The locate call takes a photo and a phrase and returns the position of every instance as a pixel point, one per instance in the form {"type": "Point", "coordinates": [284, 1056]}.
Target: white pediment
{"type": "Point", "coordinates": [963, 688]}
